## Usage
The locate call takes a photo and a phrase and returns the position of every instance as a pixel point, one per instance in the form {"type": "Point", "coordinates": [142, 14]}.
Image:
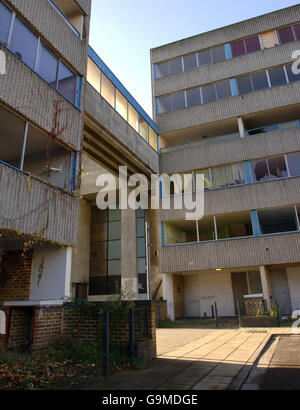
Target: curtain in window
{"type": "Point", "coordinates": [219, 177]}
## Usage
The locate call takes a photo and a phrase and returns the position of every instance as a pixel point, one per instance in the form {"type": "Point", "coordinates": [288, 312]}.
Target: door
{"type": "Point", "coordinates": [178, 296]}
{"type": "Point", "coordinates": [281, 290]}
{"type": "Point", "coordinates": [240, 289]}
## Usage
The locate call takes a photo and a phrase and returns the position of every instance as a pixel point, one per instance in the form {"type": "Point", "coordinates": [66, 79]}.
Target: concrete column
{"type": "Point", "coordinates": [266, 284]}
{"type": "Point", "coordinates": [129, 255]}
{"type": "Point", "coordinates": [241, 127]}
{"type": "Point", "coordinates": [168, 294]}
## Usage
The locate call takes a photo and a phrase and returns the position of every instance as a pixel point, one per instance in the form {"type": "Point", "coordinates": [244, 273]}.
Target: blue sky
{"type": "Point", "coordinates": [123, 32]}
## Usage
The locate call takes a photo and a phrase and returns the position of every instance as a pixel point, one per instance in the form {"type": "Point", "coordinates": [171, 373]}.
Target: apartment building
{"type": "Point", "coordinates": [227, 106]}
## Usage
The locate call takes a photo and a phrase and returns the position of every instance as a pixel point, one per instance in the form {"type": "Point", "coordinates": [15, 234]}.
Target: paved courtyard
{"type": "Point", "coordinates": [197, 359]}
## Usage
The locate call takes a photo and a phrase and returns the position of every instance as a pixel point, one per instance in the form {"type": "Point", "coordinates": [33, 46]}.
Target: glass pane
{"type": "Point", "coordinates": [277, 167]}
{"type": "Point", "coordinates": [277, 76]}
{"type": "Point", "coordinates": [285, 35]}
{"type": "Point", "coordinates": [236, 174]}
{"type": "Point", "coordinates": [269, 39]}
{"type": "Point", "coordinates": [277, 220]}
{"type": "Point", "coordinates": [260, 171]}
{"type": "Point", "coordinates": [133, 118]}
{"type": "Point", "coordinates": [141, 265]}
{"type": "Point", "coordinates": [178, 101]}
{"type": "Point", "coordinates": [236, 225]}
{"type": "Point", "coordinates": [207, 183]}
{"type": "Point", "coordinates": [93, 74]}
{"type": "Point", "coordinates": [153, 138]}
{"type": "Point", "coordinates": [244, 85]}
{"type": "Point", "coordinates": [175, 66]}
{"type": "Point", "coordinates": [193, 97]}
{"type": "Point", "coordinates": [46, 159]}
{"type": "Point", "coordinates": [141, 247]}
{"type": "Point", "coordinates": [12, 130]}
{"type": "Point", "coordinates": [114, 268]}
{"type": "Point", "coordinates": [252, 44]}
{"type": "Point", "coordinates": [294, 163]}
{"type": "Point", "coordinates": [207, 229]}
{"type": "Point", "coordinates": [204, 57]}
{"type": "Point", "coordinates": [218, 54]}
{"type": "Point", "coordinates": [67, 82]}
{"type": "Point", "coordinates": [238, 48]}
{"type": "Point", "coordinates": [114, 215]}
{"type": "Point", "coordinates": [164, 104]}
{"type": "Point", "coordinates": [219, 177]}
{"type": "Point", "coordinates": [142, 278]}
{"type": "Point", "coordinates": [121, 105]}
{"type": "Point", "coordinates": [114, 250]}
{"type": "Point", "coordinates": [162, 70]}
{"type": "Point", "coordinates": [114, 230]}
{"type": "Point", "coordinates": [144, 129]}
{"type": "Point", "coordinates": [24, 43]}
{"type": "Point", "coordinates": [47, 65]}
{"type": "Point", "coordinates": [260, 80]}
{"type": "Point", "coordinates": [5, 19]}
{"type": "Point", "coordinates": [292, 76]}
{"type": "Point", "coordinates": [297, 31]}
{"type": "Point", "coordinates": [208, 93]}
{"type": "Point", "coordinates": [140, 227]}
{"type": "Point", "coordinates": [223, 89]}
{"type": "Point", "coordinates": [108, 90]}
{"type": "Point", "coordinates": [190, 62]}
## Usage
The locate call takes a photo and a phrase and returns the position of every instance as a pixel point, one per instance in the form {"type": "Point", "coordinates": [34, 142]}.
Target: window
{"type": "Point", "coordinates": [223, 89]}
{"type": "Point", "coordinates": [12, 129]}
{"type": "Point", "coordinates": [293, 161]}
{"type": "Point", "coordinates": [269, 39]}
{"type": "Point", "coordinates": [206, 227]}
{"type": "Point", "coordinates": [133, 117]}
{"type": "Point", "coordinates": [162, 70]}
{"type": "Point", "coordinates": [235, 225]}
{"type": "Point", "coordinates": [5, 20]}
{"type": "Point", "coordinates": [144, 127]}
{"type": "Point", "coordinates": [93, 74]}
{"type": "Point", "coordinates": [190, 62]}
{"type": "Point", "coordinates": [208, 93]}
{"type": "Point", "coordinates": [218, 54]}
{"type": "Point", "coordinates": [193, 97]}
{"type": "Point", "coordinates": [277, 76]}
{"type": "Point", "coordinates": [228, 175]}
{"type": "Point", "coordinates": [207, 179]}
{"type": "Point", "coordinates": [292, 77]}
{"type": "Point", "coordinates": [277, 220]}
{"type": "Point", "coordinates": [175, 66]}
{"type": "Point", "coordinates": [141, 250]}
{"type": "Point", "coordinates": [204, 57]}
{"type": "Point", "coordinates": [46, 159]}
{"type": "Point", "coordinates": [47, 65]}
{"type": "Point", "coordinates": [24, 43]}
{"type": "Point", "coordinates": [180, 231]}
{"type": "Point", "coordinates": [269, 169]}
{"type": "Point", "coordinates": [238, 48]}
{"type": "Point", "coordinates": [259, 80]}
{"type": "Point", "coordinates": [285, 35]}
{"type": "Point", "coordinates": [164, 104]}
{"type": "Point", "coordinates": [297, 31]}
{"type": "Point", "coordinates": [67, 82]}
{"type": "Point", "coordinates": [153, 138]}
{"type": "Point", "coordinates": [108, 90]}
{"type": "Point", "coordinates": [252, 44]}
{"type": "Point", "coordinates": [178, 101]}
{"type": "Point", "coordinates": [121, 105]}
{"type": "Point", "coordinates": [244, 85]}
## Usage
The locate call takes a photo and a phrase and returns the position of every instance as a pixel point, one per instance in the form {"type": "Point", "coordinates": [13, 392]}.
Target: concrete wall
{"type": "Point", "coordinates": [203, 290]}
{"type": "Point", "coordinates": [51, 272]}
{"type": "Point", "coordinates": [32, 207]}
{"type": "Point", "coordinates": [293, 275]}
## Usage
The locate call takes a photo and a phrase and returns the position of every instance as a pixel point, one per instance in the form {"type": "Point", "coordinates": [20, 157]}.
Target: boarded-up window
{"type": "Point", "coordinates": [269, 39]}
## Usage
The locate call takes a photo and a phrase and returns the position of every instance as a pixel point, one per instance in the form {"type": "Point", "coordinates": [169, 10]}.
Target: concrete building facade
{"type": "Point", "coordinates": [227, 106]}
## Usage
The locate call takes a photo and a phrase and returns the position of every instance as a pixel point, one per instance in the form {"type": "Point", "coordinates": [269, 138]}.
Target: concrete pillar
{"type": "Point", "coordinates": [266, 284]}
{"type": "Point", "coordinates": [241, 127]}
{"type": "Point", "coordinates": [168, 294]}
{"type": "Point", "coordinates": [129, 255]}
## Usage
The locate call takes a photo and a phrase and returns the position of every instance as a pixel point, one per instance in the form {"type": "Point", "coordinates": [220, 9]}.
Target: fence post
{"type": "Point", "coordinates": [239, 313]}
{"type": "Point", "coordinates": [216, 313]}
{"type": "Point", "coordinates": [131, 334]}
{"type": "Point", "coordinates": [106, 343]}
{"type": "Point", "coordinates": [277, 312]}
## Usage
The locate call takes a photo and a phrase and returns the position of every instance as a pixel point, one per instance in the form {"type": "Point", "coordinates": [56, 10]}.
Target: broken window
{"type": "Point", "coordinates": [277, 220]}
{"type": "Point", "coordinates": [269, 168]}
{"type": "Point", "coordinates": [235, 225]}
{"type": "Point", "coordinates": [207, 229]}
{"type": "Point", "coordinates": [180, 231]}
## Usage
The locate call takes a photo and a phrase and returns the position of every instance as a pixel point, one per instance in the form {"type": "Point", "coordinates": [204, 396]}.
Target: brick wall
{"type": "Point", "coordinates": [15, 276]}
{"type": "Point", "coordinates": [47, 326]}
{"type": "Point", "coordinates": [20, 328]}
